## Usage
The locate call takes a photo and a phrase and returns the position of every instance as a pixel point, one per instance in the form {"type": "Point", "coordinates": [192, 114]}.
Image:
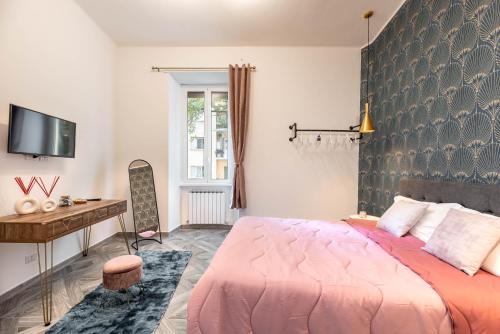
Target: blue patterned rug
{"type": "Point", "coordinates": [103, 311]}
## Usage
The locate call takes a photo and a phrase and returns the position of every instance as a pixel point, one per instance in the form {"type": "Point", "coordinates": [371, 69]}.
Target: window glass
{"type": "Point", "coordinates": [196, 134]}
{"type": "Point", "coordinates": [219, 136]}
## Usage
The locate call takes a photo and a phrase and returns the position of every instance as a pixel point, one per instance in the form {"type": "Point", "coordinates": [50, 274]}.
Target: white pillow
{"type": "Point", "coordinates": [464, 240]}
{"type": "Point", "coordinates": [401, 217]}
{"type": "Point", "coordinates": [435, 214]}
{"type": "Point", "coordinates": [492, 262]}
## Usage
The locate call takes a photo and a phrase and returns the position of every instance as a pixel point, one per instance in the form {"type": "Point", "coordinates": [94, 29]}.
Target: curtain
{"type": "Point", "coordinates": [239, 97]}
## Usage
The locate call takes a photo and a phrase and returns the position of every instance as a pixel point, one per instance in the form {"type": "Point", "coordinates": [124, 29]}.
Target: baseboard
{"type": "Point", "coordinates": [36, 280]}
{"type": "Point", "coordinates": [206, 226]}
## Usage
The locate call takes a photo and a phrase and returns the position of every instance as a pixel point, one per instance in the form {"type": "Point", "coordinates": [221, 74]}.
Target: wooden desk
{"type": "Point", "coordinates": [44, 228]}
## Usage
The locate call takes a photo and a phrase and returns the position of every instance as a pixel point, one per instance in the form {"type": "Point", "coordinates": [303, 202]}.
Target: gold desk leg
{"type": "Point", "coordinates": [124, 230]}
{"type": "Point", "coordinates": [46, 281]}
{"type": "Point", "coordinates": [86, 240]}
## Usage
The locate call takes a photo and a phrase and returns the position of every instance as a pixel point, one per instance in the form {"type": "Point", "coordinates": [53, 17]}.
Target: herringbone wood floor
{"type": "Point", "coordinates": [23, 313]}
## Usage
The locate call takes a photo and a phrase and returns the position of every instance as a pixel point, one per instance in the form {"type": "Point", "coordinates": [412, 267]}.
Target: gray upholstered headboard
{"type": "Point", "coordinates": [480, 197]}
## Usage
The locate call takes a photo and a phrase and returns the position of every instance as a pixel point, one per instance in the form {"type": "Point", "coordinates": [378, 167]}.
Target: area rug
{"type": "Point", "coordinates": [103, 311]}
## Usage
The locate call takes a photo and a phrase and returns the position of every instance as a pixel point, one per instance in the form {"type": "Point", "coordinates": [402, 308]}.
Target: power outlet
{"type": "Point", "coordinates": [30, 258]}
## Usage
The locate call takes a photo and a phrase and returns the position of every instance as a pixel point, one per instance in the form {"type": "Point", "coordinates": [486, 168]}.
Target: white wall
{"type": "Point", "coordinates": [174, 152]}
{"type": "Point", "coordinates": [316, 87]}
{"type": "Point", "coordinates": [54, 59]}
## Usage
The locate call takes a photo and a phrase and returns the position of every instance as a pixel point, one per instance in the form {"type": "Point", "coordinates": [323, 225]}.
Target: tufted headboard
{"type": "Point", "coordinates": [480, 197]}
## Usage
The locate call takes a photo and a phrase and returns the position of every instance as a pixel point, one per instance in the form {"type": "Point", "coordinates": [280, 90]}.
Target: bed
{"type": "Point", "coordinates": [303, 276]}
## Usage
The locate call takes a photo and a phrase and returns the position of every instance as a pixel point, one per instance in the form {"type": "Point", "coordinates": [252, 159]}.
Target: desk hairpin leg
{"type": "Point", "coordinates": [124, 230]}
{"type": "Point", "coordinates": [86, 240]}
{"type": "Point", "coordinates": [46, 281]}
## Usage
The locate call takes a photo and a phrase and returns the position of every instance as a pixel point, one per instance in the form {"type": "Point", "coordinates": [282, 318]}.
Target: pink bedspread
{"type": "Point", "coordinates": [297, 276]}
{"type": "Point", "coordinates": [473, 301]}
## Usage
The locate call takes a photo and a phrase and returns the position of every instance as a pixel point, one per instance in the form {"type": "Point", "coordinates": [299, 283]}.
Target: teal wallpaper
{"type": "Point", "coordinates": [434, 92]}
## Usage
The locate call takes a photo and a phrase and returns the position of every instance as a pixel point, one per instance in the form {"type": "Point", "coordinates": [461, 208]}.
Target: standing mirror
{"type": "Point", "coordinates": [144, 206]}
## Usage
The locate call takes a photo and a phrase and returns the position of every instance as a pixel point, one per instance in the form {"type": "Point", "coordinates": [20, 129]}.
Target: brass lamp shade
{"type": "Point", "coordinates": [367, 124]}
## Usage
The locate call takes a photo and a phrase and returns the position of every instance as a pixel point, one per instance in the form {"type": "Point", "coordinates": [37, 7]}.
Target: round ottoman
{"type": "Point", "coordinates": [122, 272]}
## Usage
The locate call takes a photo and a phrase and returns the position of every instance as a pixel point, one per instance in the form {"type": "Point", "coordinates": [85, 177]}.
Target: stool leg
{"type": "Point", "coordinates": [142, 288]}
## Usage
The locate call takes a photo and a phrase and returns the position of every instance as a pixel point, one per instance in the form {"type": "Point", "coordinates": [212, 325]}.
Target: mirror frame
{"type": "Point", "coordinates": [135, 244]}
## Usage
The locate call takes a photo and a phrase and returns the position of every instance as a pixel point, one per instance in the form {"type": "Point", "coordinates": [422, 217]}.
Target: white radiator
{"type": "Point", "coordinates": [207, 207]}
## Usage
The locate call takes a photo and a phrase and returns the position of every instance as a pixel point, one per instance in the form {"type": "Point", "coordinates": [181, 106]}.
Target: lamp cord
{"type": "Point", "coordinates": [368, 61]}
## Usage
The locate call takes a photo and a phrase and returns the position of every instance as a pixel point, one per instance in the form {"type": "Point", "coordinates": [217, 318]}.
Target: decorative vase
{"type": "Point", "coordinates": [48, 204]}
{"type": "Point", "coordinates": [26, 205]}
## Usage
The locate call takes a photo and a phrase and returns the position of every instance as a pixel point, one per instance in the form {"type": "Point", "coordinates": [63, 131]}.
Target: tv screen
{"type": "Point", "coordinates": [34, 133]}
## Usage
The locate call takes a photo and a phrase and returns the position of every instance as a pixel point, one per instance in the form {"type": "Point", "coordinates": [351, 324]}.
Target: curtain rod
{"type": "Point", "coordinates": [194, 69]}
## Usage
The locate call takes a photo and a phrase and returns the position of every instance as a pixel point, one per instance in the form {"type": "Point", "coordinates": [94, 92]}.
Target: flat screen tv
{"type": "Point", "coordinates": [37, 134]}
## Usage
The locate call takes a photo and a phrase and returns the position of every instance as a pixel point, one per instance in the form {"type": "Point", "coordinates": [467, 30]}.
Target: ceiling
{"type": "Point", "coordinates": [239, 22]}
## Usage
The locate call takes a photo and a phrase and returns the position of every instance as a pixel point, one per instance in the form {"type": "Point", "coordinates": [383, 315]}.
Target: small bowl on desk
{"type": "Point", "coordinates": [80, 201]}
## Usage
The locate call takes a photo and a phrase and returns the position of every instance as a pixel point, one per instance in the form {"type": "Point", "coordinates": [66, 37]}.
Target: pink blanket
{"type": "Point", "coordinates": [298, 276]}
{"type": "Point", "coordinates": [473, 301]}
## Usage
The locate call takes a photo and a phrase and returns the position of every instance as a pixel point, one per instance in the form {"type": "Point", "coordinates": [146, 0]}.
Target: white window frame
{"type": "Point", "coordinates": [207, 156]}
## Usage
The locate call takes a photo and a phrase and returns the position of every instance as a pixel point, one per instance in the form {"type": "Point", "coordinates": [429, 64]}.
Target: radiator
{"type": "Point", "coordinates": [207, 207]}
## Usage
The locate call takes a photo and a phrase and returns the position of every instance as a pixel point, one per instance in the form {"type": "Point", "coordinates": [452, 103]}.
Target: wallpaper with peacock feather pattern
{"type": "Point", "coordinates": [434, 92]}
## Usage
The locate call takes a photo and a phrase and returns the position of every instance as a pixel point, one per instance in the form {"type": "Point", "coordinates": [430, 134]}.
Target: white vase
{"type": "Point", "coordinates": [27, 204]}
{"type": "Point", "coordinates": [49, 204]}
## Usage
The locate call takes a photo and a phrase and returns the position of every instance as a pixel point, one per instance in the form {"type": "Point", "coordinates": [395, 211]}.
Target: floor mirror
{"type": "Point", "coordinates": [144, 206]}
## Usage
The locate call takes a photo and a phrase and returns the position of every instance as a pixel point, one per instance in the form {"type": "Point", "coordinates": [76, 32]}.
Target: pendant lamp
{"type": "Point", "coordinates": [367, 124]}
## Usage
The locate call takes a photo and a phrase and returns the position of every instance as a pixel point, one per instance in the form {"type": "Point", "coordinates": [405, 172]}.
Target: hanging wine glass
{"type": "Point", "coordinates": [330, 144]}
{"type": "Point", "coordinates": [338, 142]}
{"type": "Point", "coordinates": [311, 140]}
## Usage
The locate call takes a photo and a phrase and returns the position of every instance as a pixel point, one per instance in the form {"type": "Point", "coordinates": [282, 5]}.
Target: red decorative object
{"type": "Point", "coordinates": [47, 191]}
{"type": "Point", "coordinates": [24, 189]}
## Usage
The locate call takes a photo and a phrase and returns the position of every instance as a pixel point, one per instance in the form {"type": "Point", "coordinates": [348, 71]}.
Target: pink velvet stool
{"type": "Point", "coordinates": [122, 272]}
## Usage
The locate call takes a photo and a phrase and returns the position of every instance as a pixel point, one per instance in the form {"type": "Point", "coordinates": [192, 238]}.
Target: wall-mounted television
{"type": "Point", "coordinates": [37, 134]}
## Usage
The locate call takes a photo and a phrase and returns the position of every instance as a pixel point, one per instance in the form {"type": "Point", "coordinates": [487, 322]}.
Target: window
{"type": "Point", "coordinates": [197, 171]}
{"type": "Point", "coordinates": [207, 134]}
{"type": "Point", "coordinates": [220, 130]}
{"type": "Point", "coordinates": [198, 143]}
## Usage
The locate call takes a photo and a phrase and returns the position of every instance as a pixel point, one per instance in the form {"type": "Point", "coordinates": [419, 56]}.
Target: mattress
{"type": "Point", "coordinates": [302, 276]}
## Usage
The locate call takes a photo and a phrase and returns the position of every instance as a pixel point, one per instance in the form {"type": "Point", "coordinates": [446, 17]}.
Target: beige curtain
{"type": "Point", "coordinates": [239, 97]}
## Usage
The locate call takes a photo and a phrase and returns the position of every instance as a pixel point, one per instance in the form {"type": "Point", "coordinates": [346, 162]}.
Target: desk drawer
{"type": "Point", "coordinates": [89, 218]}
{"type": "Point", "coordinates": [113, 210]}
{"type": "Point", "coordinates": [101, 213]}
{"type": "Point", "coordinates": [117, 209]}
{"type": "Point", "coordinates": [66, 225]}
{"type": "Point", "coordinates": [122, 207]}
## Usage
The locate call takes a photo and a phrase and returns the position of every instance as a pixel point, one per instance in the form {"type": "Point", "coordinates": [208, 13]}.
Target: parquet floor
{"type": "Point", "coordinates": [23, 313]}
